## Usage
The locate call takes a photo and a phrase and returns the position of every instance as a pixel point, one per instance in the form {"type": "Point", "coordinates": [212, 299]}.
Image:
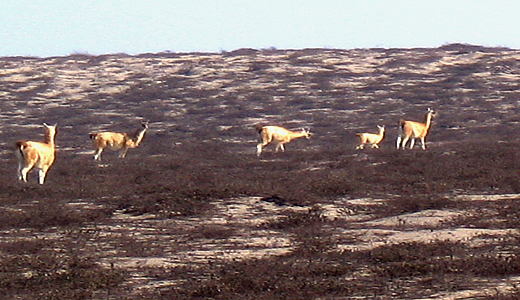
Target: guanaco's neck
{"type": "Point", "coordinates": [298, 134]}
{"type": "Point", "coordinates": [138, 135]}
{"type": "Point", "coordinates": [49, 137]}
{"type": "Point", "coordinates": [428, 120]}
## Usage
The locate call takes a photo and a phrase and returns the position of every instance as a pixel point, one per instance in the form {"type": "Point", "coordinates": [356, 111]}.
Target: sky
{"type": "Point", "coordinates": [46, 28]}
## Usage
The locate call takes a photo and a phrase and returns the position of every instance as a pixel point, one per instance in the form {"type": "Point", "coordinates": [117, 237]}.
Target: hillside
{"type": "Point", "coordinates": [193, 213]}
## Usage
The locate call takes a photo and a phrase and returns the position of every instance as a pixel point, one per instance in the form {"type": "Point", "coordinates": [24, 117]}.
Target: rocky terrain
{"type": "Point", "coordinates": [193, 213]}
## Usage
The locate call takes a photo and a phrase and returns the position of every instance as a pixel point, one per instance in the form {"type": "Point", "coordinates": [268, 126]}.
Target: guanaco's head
{"type": "Point", "coordinates": [307, 133]}
{"type": "Point", "coordinates": [381, 128]}
{"type": "Point", "coordinates": [50, 127]}
{"type": "Point", "coordinates": [50, 131]}
{"type": "Point", "coordinates": [136, 138]}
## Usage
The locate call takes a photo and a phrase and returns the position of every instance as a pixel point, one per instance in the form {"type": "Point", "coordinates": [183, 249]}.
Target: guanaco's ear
{"type": "Point", "coordinates": [47, 126]}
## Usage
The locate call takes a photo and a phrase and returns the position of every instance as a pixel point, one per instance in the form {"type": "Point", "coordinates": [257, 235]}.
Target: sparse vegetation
{"type": "Point", "coordinates": [195, 214]}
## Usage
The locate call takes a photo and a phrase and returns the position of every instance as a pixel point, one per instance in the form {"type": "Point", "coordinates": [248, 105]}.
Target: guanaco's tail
{"type": "Point", "coordinates": [93, 135]}
{"type": "Point", "coordinates": [401, 123]}
{"type": "Point", "coordinates": [20, 146]}
{"type": "Point", "coordinates": [259, 127]}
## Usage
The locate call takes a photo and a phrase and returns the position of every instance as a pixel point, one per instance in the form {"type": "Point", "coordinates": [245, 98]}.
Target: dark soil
{"type": "Point", "coordinates": [193, 213]}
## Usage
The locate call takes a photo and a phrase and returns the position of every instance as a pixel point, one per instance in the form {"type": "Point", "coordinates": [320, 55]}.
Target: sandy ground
{"type": "Point", "coordinates": [334, 92]}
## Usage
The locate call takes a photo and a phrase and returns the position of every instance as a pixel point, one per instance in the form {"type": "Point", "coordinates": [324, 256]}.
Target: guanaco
{"type": "Point", "coordinates": [36, 154]}
{"type": "Point", "coordinates": [370, 138]}
{"type": "Point", "coordinates": [410, 130]}
{"type": "Point", "coordinates": [118, 141]}
{"type": "Point", "coordinates": [278, 135]}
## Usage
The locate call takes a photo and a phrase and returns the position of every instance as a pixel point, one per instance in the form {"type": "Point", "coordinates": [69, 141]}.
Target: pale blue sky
{"type": "Point", "coordinates": [62, 27]}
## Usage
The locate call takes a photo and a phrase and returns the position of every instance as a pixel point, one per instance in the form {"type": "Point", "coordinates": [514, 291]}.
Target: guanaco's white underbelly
{"type": "Point", "coordinates": [113, 146]}
{"type": "Point", "coordinates": [275, 140]}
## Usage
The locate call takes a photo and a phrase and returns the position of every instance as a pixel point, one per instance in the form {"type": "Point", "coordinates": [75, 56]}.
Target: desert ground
{"type": "Point", "coordinates": [194, 213]}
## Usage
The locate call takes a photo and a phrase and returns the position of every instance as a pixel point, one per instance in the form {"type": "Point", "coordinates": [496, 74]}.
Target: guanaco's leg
{"type": "Point", "coordinates": [412, 143]}
{"type": "Point", "coordinates": [97, 154]}
{"type": "Point", "coordinates": [123, 152]}
{"type": "Point", "coordinates": [423, 145]}
{"type": "Point", "coordinates": [41, 174]}
{"type": "Point", "coordinates": [405, 140]}
{"type": "Point", "coordinates": [259, 149]}
{"type": "Point", "coordinates": [19, 173]}
{"type": "Point", "coordinates": [23, 172]}
{"type": "Point", "coordinates": [362, 142]}
{"type": "Point", "coordinates": [265, 139]}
